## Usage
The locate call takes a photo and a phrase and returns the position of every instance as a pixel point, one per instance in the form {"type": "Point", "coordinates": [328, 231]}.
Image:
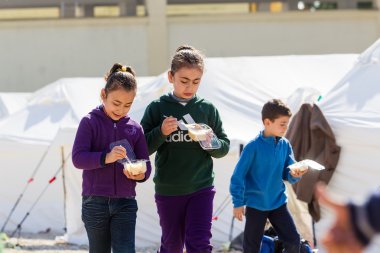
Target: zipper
{"type": "Point", "coordinates": [114, 164]}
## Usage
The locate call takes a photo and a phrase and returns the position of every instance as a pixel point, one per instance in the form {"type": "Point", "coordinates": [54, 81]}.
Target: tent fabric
{"type": "Point", "coordinates": [352, 109]}
{"type": "Point", "coordinates": [237, 86]}
{"type": "Point", "coordinates": [59, 104]}
{"type": "Point", "coordinates": [312, 138]}
{"type": "Point", "coordinates": [11, 102]}
{"type": "Point", "coordinates": [240, 86]}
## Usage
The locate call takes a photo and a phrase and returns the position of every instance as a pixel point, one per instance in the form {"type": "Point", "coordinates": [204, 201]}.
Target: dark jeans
{"type": "Point", "coordinates": [110, 223]}
{"type": "Point", "coordinates": [281, 221]}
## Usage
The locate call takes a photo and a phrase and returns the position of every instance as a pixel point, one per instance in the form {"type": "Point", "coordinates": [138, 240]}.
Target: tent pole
{"type": "Point", "coordinates": [231, 229]}
{"type": "Point", "coordinates": [241, 147]}
{"type": "Point", "coordinates": [30, 180]}
{"type": "Point", "coordinates": [314, 237]}
{"type": "Point", "coordinates": [63, 161]}
{"type": "Point", "coordinates": [19, 226]}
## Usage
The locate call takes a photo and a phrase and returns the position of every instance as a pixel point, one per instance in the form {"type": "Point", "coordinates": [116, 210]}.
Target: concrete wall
{"type": "Point", "coordinates": [278, 34]}
{"type": "Point", "coordinates": [35, 53]}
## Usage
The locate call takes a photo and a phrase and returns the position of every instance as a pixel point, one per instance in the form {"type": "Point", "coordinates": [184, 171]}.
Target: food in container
{"type": "Point", "coordinates": [135, 167]}
{"type": "Point", "coordinates": [204, 135]}
{"type": "Point", "coordinates": [305, 164]}
{"type": "Point", "coordinates": [198, 132]}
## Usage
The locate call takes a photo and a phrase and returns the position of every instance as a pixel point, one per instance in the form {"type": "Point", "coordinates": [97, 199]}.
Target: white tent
{"type": "Point", "coordinates": [237, 86]}
{"type": "Point", "coordinates": [11, 102]}
{"type": "Point", "coordinates": [352, 109]}
{"type": "Point", "coordinates": [29, 141]}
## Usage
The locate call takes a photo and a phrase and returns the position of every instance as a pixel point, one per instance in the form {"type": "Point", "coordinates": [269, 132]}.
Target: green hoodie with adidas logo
{"type": "Point", "coordinates": [182, 166]}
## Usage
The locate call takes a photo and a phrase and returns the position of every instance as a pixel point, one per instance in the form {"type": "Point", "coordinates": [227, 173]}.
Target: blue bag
{"type": "Point", "coordinates": [267, 245]}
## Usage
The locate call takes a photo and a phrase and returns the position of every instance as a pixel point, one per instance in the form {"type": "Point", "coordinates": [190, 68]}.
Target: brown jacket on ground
{"type": "Point", "coordinates": [312, 138]}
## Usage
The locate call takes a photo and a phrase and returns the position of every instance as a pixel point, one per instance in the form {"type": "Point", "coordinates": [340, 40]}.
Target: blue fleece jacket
{"type": "Point", "coordinates": [257, 181]}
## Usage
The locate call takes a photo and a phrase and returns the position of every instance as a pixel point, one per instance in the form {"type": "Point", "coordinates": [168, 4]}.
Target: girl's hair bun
{"type": "Point", "coordinates": [184, 47]}
{"type": "Point", "coordinates": [120, 76]}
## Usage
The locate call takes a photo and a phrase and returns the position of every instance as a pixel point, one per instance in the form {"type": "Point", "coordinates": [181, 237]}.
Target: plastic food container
{"type": "Point", "coordinates": [204, 135]}
{"type": "Point", "coordinates": [305, 164]}
{"type": "Point", "coordinates": [198, 132]}
{"type": "Point", "coordinates": [136, 167]}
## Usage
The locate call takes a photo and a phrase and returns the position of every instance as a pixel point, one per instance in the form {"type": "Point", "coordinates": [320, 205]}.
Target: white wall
{"type": "Point", "coordinates": [37, 52]}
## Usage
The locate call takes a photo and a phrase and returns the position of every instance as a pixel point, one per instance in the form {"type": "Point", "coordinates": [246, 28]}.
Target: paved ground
{"type": "Point", "coordinates": [47, 243]}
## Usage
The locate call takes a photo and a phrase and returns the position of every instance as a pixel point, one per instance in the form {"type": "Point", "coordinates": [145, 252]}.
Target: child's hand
{"type": "Point", "coordinates": [117, 152]}
{"type": "Point", "coordinates": [297, 172]}
{"type": "Point", "coordinates": [169, 125]}
{"type": "Point", "coordinates": [137, 177]}
{"type": "Point", "coordinates": [239, 212]}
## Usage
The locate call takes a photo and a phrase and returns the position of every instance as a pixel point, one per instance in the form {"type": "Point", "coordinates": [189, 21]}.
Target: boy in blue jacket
{"type": "Point", "coordinates": [257, 181]}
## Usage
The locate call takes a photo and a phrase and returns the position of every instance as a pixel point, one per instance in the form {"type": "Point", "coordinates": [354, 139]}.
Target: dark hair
{"type": "Point", "coordinates": [274, 109]}
{"type": "Point", "coordinates": [186, 56]}
{"type": "Point", "coordinates": [120, 76]}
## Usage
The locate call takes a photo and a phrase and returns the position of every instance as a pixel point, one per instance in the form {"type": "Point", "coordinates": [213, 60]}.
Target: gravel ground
{"type": "Point", "coordinates": [46, 243]}
{"type": "Point", "coordinates": [41, 242]}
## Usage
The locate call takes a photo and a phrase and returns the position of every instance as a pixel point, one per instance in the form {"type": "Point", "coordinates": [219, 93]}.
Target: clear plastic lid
{"type": "Point", "coordinates": [204, 135]}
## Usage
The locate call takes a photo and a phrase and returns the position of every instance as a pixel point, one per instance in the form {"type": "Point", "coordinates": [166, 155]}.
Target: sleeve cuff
{"type": "Point", "coordinates": [359, 220]}
{"type": "Point", "coordinates": [103, 158]}
{"type": "Point", "coordinates": [237, 203]}
{"type": "Point", "coordinates": [292, 179]}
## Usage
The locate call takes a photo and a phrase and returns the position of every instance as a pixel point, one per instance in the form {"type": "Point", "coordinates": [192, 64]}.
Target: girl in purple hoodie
{"type": "Point", "coordinates": [105, 137]}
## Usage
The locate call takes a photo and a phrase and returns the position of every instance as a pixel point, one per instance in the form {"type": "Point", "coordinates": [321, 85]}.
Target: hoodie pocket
{"type": "Point", "coordinates": [104, 180]}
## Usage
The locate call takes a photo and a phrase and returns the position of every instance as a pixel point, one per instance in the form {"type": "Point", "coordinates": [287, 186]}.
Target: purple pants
{"type": "Point", "coordinates": [186, 220]}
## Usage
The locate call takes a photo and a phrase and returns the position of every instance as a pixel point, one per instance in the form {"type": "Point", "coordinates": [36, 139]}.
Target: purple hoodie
{"type": "Point", "coordinates": [95, 136]}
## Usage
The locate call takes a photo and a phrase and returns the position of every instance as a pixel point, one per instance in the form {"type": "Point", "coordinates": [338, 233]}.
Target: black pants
{"type": "Point", "coordinates": [281, 221]}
